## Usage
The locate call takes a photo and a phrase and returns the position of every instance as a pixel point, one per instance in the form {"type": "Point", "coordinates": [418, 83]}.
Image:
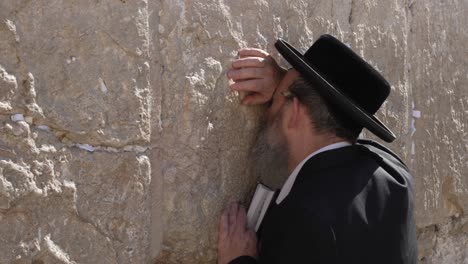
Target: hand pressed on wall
{"type": "Point", "coordinates": [234, 238]}
{"type": "Point", "coordinates": [256, 73]}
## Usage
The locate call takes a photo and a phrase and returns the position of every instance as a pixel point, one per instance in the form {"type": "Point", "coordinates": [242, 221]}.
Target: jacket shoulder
{"type": "Point", "coordinates": [380, 149]}
{"type": "Point", "coordinates": [387, 160]}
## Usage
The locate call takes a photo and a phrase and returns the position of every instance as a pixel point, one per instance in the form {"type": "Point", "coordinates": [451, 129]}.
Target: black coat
{"type": "Point", "coordinates": [348, 205]}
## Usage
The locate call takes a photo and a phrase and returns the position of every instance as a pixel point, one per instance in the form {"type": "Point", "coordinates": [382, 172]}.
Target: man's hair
{"type": "Point", "coordinates": [322, 116]}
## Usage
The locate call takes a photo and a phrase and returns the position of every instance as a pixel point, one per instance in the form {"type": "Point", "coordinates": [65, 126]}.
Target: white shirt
{"type": "Point", "coordinates": [292, 178]}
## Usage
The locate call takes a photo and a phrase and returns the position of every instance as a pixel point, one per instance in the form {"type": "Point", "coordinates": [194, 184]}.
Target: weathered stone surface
{"type": "Point", "coordinates": [120, 142]}
{"type": "Point", "coordinates": [91, 57]}
{"type": "Point", "coordinates": [75, 172]}
{"type": "Point", "coordinates": [65, 205]}
{"type": "Point", "coordinates": [438, 80]}
{"type": "Point", "coordinates": [437, 76]}
{"type": "Point", "coordinates": [444, 242]}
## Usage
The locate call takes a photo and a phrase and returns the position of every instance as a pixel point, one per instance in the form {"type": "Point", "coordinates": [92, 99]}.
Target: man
{"type": "Point", "coordinates": [346, 200]}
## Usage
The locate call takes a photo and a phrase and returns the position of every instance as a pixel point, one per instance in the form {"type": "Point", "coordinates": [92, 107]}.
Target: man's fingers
{"type": "Point", "coordinates": [246, 74]}
{"type": "Point", "coordinates": [251, 243]}
{"type": "Point", "coordinates": [232, 214]}
{"type": "Point", "coordinates": [242, 219]}
{"type": "Point", "coordinates": [254, 99]}
{"type": "Point", "coordinates": [223, 226]}
{"type": "Point", "coordinates": [247, 86]}
{"type": "Point", "coordinates": [252, 52]}
{"type": "Point", "coordinates": [256, 62]}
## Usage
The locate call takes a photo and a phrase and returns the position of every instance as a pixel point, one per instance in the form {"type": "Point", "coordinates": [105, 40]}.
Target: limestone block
{"type": "Point", "coordinates": [92, 57]}
{"type": "Point", "coordinates": [74, 132]}
{"type": "Point", "coordinates": [438, 81]}
{"type": "Point", "coordinates": [62, 204]}
{"type": "Point", "coordinates": [50, 215]}
{"type": "Point", "coordinates": [114, 197]}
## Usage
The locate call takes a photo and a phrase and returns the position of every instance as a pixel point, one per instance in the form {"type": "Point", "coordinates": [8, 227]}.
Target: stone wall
{"type": "Point", "coordinates": [120, 142]}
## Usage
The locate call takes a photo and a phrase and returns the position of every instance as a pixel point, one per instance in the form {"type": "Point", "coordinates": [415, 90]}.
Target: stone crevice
{"type": "Point", "coordinates": [64, 137]}
{"type": "Point", "coordinates": [350, 16]}
{"type": "Point", "coordinates": [97, 228]}
{"type": "Point", "coordinates": [125, 50]}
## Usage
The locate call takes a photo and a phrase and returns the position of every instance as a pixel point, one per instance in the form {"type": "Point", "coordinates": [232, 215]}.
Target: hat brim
{"type": "Point", "coordinates": [331, 94]}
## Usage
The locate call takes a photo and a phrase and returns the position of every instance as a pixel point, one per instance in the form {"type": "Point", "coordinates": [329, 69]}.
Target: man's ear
{"type": "Point", "coordinates": [295, 118]}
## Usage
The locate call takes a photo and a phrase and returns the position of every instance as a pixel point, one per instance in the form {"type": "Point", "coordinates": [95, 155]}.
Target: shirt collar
{"type": "Point", "coordinates": [292, 178]}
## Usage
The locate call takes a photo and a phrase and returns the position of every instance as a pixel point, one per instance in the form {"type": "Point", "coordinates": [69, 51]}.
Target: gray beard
{"type": "Point", "coordinates": [271, 160]}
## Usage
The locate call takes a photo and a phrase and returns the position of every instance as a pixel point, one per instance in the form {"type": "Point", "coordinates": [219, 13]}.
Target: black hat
{"type": "Point", "coordinates": [350, 85]}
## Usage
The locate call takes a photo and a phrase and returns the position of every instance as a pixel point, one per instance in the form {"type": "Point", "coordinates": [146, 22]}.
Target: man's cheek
{"type": "Point", "coordinates": [274, 133]}
{"type": "Point", "coordinates": [271, 137]}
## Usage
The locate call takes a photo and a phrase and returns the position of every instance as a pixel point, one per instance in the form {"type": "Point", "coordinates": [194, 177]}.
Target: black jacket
{"type": "Point", "coordinates": [348, 205]}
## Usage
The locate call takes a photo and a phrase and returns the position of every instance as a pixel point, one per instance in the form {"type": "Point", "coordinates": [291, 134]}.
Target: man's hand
{"type": "Point", "coordinates": [257, 74]}
{"type": "Point", "coordinates": [234, 239]}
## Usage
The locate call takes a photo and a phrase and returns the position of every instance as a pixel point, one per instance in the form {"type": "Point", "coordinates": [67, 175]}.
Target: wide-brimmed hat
{"type": "Point", "coordinates": [353, 88]}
